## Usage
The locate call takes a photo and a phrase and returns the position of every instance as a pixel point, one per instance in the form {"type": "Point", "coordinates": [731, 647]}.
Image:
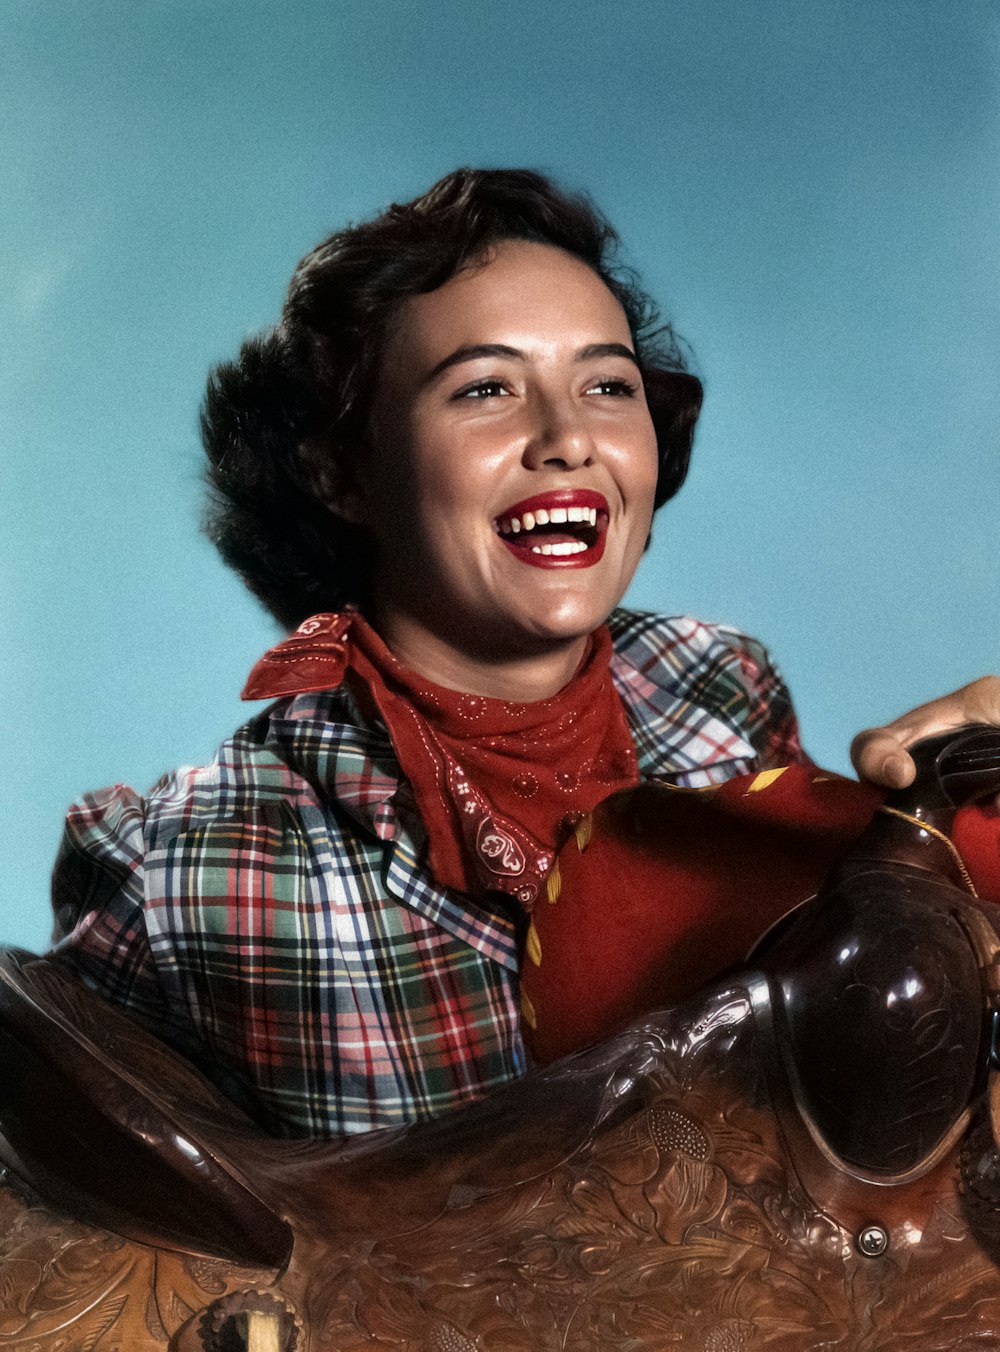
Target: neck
{"type": "Point", "coordinates": [519, 677]}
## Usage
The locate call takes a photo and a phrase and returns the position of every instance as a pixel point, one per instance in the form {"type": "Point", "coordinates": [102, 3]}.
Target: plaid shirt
{"type": "Point", "coordinates": [271, 914]}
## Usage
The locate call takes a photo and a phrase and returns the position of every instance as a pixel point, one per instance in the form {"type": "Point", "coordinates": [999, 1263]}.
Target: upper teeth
{"type": "Point", "coordinates": [558, 516]}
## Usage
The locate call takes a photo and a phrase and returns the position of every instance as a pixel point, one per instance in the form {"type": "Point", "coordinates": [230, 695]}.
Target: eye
{"type": "Point", "coordinates": [614, 386]}
{"type": "Point", "coordinates": [482, 389]}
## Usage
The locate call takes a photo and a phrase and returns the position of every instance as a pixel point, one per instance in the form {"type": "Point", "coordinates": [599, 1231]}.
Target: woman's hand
{"type": "Point", "coordinates": [880, 755]}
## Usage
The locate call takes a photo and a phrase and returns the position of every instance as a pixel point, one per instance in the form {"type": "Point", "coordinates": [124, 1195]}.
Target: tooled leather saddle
{"type": "Point", "coordinates": [802, 1155]}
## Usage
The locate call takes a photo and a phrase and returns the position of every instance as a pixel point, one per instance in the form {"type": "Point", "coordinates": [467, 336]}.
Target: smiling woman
{"type": "Point", "coordinates": [441, 468]}
{"type": "Point", "coordinates": [293, 427]}
{"type": "Point", "coordinates": [509, 395]}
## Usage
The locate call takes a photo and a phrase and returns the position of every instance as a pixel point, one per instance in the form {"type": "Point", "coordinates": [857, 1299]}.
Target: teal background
{"type": "Point", "coordinates": [809, 187]}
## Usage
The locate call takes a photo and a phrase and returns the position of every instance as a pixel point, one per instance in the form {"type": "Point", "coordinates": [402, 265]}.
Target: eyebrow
{"type": "Point", "coordinates": [469, 352]}
{"type": "Point", "coordinates": [606, 350]}
{"type": "Point", "coordinates": [473, 351]}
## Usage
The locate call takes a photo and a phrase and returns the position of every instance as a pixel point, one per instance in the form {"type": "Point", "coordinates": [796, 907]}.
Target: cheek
{"type": "Point", "coordinates": [400, 486]}
{"type": "Point", "coordinates": [419, 463]}
{"type": "Point", "coordinates": [424, 505]}
{"type": "Point", "coordinates": [453, 484]}
{"type": "Point", "coordinates": [643, 474]}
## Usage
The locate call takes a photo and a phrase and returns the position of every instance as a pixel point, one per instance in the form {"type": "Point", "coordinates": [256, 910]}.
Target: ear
{"type": "Point", "coordinates": [332, 481]}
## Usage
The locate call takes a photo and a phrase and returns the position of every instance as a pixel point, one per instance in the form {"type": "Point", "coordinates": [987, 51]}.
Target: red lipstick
{"type": "Point", "coordinates": [564, 528]}
{"type": "Point", "coordinates": [558, 497]}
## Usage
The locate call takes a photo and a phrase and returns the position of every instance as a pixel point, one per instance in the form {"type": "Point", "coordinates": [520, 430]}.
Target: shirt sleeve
{"type": "Point", "coordinates": [771, 726]}
{"type": "Point", "coordinates": [97, 898]}
{"type": "Point", "coordinates": [743, 686]}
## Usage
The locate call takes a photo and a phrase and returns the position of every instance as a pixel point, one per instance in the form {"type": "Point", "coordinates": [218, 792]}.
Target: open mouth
{"type": "Point", "coordinates": [563, 528]}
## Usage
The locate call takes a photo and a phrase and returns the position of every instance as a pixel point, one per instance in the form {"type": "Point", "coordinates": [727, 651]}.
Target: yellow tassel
{"type": "Point", "coordinates": [534, 945]}
{"type": "Point", "coordinates": [583, 830]}
{"type": "Point", "coordinates": [553, 884]}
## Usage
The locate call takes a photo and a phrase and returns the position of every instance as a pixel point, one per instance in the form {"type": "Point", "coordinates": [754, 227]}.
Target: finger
{"type": "Point", "coordinates": [879, 755]}
{"type": "Point", "coordinates": [982, 700]}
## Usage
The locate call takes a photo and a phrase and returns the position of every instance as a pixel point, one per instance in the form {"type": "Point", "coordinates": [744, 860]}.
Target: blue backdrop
{"type": "Point", "coordinates": [810, 187]}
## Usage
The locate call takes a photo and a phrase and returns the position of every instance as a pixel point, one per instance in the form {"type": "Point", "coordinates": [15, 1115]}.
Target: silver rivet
{"type": "Point", "coordinates": [872, 1241]}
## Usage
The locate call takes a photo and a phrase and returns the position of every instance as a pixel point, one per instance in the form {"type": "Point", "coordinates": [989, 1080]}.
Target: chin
{"type": "Point", "coordinates": [569, 621]}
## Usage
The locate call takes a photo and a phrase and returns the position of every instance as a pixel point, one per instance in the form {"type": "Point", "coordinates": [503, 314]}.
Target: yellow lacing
{"type": "Point", "coordinates": [938, 835]}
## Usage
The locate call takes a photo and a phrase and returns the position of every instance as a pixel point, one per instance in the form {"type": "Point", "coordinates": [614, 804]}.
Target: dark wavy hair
{"type": "Point", "coordinates": [301, 393]}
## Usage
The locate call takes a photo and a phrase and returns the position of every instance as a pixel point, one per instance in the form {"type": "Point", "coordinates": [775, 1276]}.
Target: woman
{"type": "Point", "coordinates": [450, 448]}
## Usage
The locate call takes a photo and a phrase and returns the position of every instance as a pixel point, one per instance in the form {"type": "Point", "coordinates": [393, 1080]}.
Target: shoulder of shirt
{"type": "Point", "coordinates": [698, 696]}
{"type": "Point", "coordinates": [259, 765]}
{"type": "Point", "coordinates": [665, 645]}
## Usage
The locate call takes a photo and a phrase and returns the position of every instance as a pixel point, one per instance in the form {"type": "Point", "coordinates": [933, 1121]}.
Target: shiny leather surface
{"type": "Point", "coordinates": [83, 1116]}
{"type": "Point", "coordinates": [881, 1028]}
{"type": "Point", "coordinates": [874, 985]}
{"type": "Point", "coordinates": [652, 1188]}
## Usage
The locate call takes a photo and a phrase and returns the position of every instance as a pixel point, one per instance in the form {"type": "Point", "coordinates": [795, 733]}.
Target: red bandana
{"type": "Point", "coordinates": [492, 779]}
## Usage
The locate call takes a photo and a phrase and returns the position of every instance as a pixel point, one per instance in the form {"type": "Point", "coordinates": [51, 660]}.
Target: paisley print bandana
{"type": "Point", "coordinates": [494, 780]}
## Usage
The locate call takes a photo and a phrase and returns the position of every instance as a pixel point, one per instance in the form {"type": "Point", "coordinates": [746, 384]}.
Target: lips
{"type": "Point", "coordinates": [564, 528]}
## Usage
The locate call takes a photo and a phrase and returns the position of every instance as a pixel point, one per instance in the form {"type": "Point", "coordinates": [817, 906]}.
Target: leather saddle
{"type": "Point", "coordinates": [804, 1154]}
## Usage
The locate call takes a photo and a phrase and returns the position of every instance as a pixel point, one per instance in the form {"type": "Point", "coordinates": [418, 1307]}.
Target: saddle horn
{"type": "Point", "coordinates": [881, 988]}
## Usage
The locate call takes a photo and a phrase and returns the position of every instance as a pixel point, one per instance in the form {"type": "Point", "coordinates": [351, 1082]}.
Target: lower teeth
{"type": "Point", "coordinates": [574, 547]}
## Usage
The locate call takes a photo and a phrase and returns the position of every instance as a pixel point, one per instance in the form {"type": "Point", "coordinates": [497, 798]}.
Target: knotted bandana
{"type": "Point", "coordinates": [493, 779]}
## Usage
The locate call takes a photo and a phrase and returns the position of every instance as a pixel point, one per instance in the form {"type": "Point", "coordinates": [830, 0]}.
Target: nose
{"type": "Point", "coordinates": [559, 438]}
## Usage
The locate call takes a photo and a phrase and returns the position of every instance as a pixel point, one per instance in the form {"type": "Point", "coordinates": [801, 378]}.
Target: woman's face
{"type": "Point", "coordinates": [513, 462]}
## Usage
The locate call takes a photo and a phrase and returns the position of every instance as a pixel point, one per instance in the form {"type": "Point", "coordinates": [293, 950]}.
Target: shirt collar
{"type": "Point", "coordinates": [324, 737]}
